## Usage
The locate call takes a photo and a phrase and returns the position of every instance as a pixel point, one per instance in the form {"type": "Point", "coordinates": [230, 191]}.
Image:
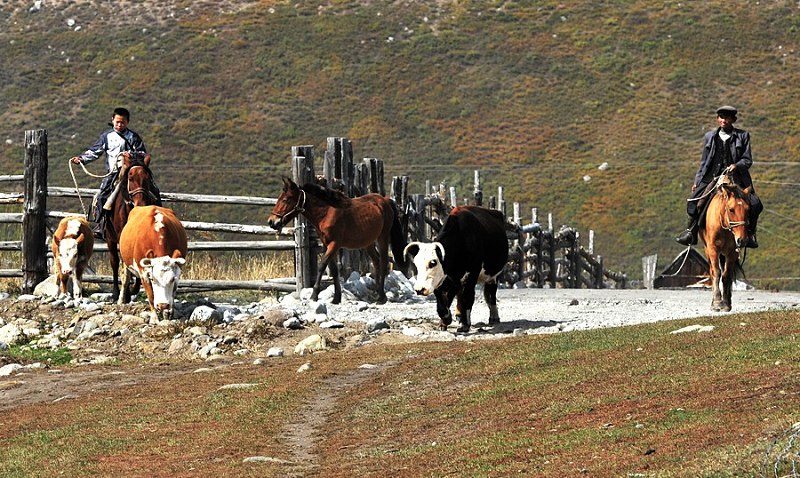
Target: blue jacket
{"type": "Point", "coordinates": [112, 144]}
{"type": "Point", "coordinates": [740, 153]}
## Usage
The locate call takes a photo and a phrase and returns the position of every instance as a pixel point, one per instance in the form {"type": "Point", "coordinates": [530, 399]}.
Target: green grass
{"type": "Point", "coordinates": [26, 353]}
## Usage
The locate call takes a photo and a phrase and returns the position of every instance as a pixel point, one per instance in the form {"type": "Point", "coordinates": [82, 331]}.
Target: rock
{"type": "Point", "coordinates": [275, 352]}
{"type": "Point", "coordinates": [205, 313]}
{"type": "Point", "coordinates": [292, 323]}
{"type": "Point", "coordinates": [304, 368]}
{"type": "Point", "coordinates": [376, 324]}
{"type": "Point", "coordinates": [694, 328]}
{"type": "Point", "coordinates": [9, 369]}
{"type": "Point", "coordinates": [10, 334]}
{"type": "Point", "coordinates": [331, 324]}
{"type": "Point", "coordinates": [310, 344]}
{"type": "Point", "coordinates": [47, 288]}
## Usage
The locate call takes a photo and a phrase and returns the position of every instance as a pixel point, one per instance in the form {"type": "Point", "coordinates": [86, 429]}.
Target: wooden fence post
{"type": "Point", "coordinates": [305, 258]}
{"type": "Point", "coordinates": [34, 236]}
{"type": "Point", "coordinates": [477, 194]}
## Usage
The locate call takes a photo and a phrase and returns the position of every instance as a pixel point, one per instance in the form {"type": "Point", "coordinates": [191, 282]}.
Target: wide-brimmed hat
{"type": "Point", "coordinates": [727, 111]}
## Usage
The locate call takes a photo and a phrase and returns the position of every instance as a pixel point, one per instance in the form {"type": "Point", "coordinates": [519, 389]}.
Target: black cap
{"type": "Point", "coordinates": [726, 111]}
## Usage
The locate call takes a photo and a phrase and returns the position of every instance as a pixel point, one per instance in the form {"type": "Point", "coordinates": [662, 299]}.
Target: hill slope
{"type": "Point", "coordinates": [536, 95]}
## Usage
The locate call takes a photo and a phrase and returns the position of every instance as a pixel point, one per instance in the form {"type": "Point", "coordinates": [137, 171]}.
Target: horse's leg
{"type": "Point", "coordinates": [727, 281]}
{"type": "Point", "coordinates": [330, 255]}
{"type": "Point", "coordinates": [714, 273]}
{"type": "Point", "coordinates": [113, 258]}
{"type": "Point", "coordinates": [337, 285]}
{"type": "Point", "coordinates": [379, 263]}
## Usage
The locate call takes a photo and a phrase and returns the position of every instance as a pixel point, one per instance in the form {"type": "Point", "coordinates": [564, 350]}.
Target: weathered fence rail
{"type": "Point", "coordinates": [539, 256]}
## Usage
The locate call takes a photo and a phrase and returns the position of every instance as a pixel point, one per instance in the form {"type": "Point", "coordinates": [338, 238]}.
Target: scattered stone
{"type": "Point", "coordinates": [266, 459]}
{"type": "Point", "coordinates": [694, 328]}
{"type": "Point", "coordinates": [238, 386]}
{"type": "Point", "coordinates": [292, 324]}
{"type": "Point", "coordinates": [376, 324]}
{"type": "Point", "coordinates": [310, 344]}
{"type": "Point", "coordinates": [331, 324]}
{"type": "Point", "coordinates": [10, 369]}
{"type": "Point", "coordinates": [275, 352]}
{"type": "Point", "coordinates": [304, 368]}
{"type": "Point", "coordinates": [10, 334]}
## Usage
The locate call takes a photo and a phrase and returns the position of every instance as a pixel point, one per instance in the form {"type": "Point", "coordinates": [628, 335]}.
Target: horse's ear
{"type": "Point", "coordinates": [80, 238]}
{"type": "Point", "coordinates": [288, 184]}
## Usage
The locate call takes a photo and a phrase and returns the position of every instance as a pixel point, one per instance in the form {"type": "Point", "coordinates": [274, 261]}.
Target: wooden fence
{"type": "Point", "coordinates": [538, 256]}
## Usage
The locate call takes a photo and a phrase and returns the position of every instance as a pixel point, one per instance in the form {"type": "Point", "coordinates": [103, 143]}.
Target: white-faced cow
{"type": "Point", "coordinates": [471, 248]}
{"type": "Point", "coordinates": [153, 247]}
{"type": "Point", "coordinates": [73, 244]}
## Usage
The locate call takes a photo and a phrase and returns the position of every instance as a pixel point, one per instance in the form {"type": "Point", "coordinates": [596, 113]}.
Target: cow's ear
{"type": "Point", "coordinates": [149, 254]}
{"type": "Point", "coordinates": [144, 262]}
{"type": "Point", "coordinates": [80, 238]}
{"type": "Point", "coordinates": [439, 250]}
{"type": "Point", "coordinates": [748, 190]}
{"type": "Point", "coordinates": [180, 261]}
{"type": "Point", "coordinates": [176, 254]}
{"type": "Point", "coordinates": [411, 250]}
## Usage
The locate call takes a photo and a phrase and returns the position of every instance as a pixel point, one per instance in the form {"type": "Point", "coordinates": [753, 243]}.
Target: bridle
{"type": "Point", "coordinates": [731, 224]}
{"type": "Point", "coordinates": [298, 208]}
{"type": "Point", "coordinates": [140, 190]}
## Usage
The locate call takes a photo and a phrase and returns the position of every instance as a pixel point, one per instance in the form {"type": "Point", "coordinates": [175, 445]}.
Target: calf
{"type": "Point", "coordinates": [471, 248]}
{"type": "Point", "coordinates": [153, 247]}
{"type": "Point", "coordinates": [73, 245]}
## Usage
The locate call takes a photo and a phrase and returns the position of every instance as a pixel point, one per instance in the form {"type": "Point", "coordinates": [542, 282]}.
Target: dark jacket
{"type": "Point", "coordinates": [740, 153]}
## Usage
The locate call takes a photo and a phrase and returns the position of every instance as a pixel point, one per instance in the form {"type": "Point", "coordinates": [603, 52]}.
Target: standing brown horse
{"type": "Point", "coordinates": [367, 222]}
{"type": "Point", "coordinates": [134, 190]}
{"type": "Point", "coordinates": [724, 233]}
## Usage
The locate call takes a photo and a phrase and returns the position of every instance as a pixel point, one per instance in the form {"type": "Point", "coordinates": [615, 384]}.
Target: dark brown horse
{"type": "Point", "coordinates": [368, 222]}
{"type": "Point", "coordinates": [724, 234]}
{"type": "Point", "coordinates": [134, 190]}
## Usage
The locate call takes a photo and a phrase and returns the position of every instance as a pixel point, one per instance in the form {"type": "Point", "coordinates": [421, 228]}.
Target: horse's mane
{"type": "Point", "coordinates": [332, 197]}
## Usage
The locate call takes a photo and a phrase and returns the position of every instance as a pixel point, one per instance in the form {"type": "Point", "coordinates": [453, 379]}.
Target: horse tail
{"type": "Point", "coordinates": [398, 239]}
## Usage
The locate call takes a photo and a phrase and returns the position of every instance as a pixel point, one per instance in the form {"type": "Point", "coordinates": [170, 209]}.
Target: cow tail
{"type": "Point", "coordinates": [398, 240]}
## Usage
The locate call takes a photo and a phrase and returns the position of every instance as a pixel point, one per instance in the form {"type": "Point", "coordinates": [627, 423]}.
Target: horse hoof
{"type": "Point", "coordinates": [442, 326]}
{"type": "Point", "coordinates": [381, 300]}
{"type": "Point", "coordinates": [494, 320]}
{"type": "Point", "coordinates": [463, 329]}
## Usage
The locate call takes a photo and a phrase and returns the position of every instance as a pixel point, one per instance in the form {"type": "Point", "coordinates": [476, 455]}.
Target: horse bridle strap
{"type": "Point", "coordinates": [300, 207]}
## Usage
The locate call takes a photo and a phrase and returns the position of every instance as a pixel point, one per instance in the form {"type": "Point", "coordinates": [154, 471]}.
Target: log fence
{"type": "Point", "coordinates": [538, 256]}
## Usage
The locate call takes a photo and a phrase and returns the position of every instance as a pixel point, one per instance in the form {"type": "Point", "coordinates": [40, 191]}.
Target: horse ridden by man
{"type": "Point", "coordinates": [724, 232]}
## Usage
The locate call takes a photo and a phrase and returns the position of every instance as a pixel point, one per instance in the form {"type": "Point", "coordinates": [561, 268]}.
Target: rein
{"type": "Point", "coordinates": [75, 181]}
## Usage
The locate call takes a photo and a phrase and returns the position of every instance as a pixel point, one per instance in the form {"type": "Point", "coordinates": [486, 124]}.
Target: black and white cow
{"type": "Point", "coordinates": [471, 248]}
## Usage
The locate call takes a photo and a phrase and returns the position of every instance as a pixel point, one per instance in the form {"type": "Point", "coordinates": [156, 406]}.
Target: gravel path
{"type": "Point", "coordinates": [557, 310]}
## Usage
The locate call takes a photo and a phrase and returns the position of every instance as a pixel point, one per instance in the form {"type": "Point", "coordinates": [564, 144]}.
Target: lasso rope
{"type": "Point", "coordinates": [75, 181]}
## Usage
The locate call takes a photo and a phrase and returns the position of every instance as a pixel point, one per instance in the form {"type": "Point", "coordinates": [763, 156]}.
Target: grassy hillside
{"type": "Point", "coordinates": [536, 95]}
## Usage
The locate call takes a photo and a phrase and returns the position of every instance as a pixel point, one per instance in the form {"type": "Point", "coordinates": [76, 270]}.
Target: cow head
{"type": "Point", "coordinates": [427, 259]}
{"type": "Point", "coordinates": [160, 279]}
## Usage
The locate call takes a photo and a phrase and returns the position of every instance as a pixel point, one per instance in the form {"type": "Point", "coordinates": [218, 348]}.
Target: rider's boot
{"type": "Point", "coordinates": [752, 242]}
{"type": "Point", "coordinates": [689, 236]}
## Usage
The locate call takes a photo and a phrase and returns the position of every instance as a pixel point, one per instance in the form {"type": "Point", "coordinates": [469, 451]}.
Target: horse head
{"type": "Point", "coordinates": [736, 205]}
{"type": "Point", "coordinates": [290, 203]}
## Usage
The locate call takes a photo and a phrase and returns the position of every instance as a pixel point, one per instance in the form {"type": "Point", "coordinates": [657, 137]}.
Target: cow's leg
{"type": "Point", "coordinates": [76, 286]}
{"type": "Point", "coordinates": [466, 299]}
{"type": "Point", "coordinates": [443, 309]}
{"type": "Point", "coordinates": [125, 297]}
{"type": "Point", "coordinates": [490, 296]}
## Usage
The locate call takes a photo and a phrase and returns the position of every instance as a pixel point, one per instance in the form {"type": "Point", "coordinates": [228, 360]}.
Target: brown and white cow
{"type": "Point", "coordinates": [73, 245]}
{"type": "Point", "coordinates": [471, 248]}
{"type": "Point", "coordinates": [153, 247]}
